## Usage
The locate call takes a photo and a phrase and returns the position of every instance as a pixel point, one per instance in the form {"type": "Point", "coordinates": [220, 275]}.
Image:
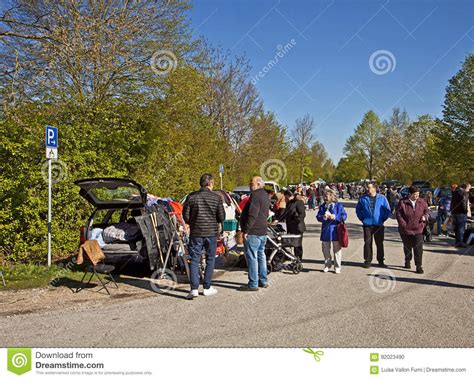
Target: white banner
{"type": "Point", "coordinates": [235, 364]}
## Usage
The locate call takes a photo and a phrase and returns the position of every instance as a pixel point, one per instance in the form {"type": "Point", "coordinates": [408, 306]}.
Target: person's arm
{"type": "Point", "coordinates": [341, 216]}
{"type": "Point", "coordinates": [399, 214]}
{"type": "Point", "coordinates": [253, 211]}
{"type": "Point", "coordinates": [187, 211]}
{"type": "Point", "coordinates": [385, 209]}
{"type": "Point", "coordinates": [320, 215]}
{"type": "Point", "coordinates": [301, 211]}
{"type": "Point", "coordinates": [359, 210]}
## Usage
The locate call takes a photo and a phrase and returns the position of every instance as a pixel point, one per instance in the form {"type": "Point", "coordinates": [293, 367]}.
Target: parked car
{"type": "Point", "coordinates": [421, 184]}
{"type": "Point", "coordinates": [441, 192]}
{"type": "Point", "coordinates": [121, 203]}
{"type": "Point", "coordinates": [391, 183]}
{"type": "Point", "coordinates": [245, 189]}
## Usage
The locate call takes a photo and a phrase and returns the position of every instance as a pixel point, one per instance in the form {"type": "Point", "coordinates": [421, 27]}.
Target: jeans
{"type": "Point", "coordinates": [460, 226]}
{"type": "Point", "coordinates": [256, 260]}
{"type": "Point", "coordinates": [196, 246]}
{"type": "Point", "coordinates": [373, 233]}
{"type": "Point", "coordinates": [413, 246]}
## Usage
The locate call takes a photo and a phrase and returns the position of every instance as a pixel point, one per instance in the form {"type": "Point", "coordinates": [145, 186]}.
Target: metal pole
{"type": "Point", "coordinates": [220, 175]}
{"type": "Point", "coordinates": [49, 212]}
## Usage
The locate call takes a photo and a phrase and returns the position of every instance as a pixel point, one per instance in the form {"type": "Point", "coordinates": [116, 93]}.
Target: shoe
{"type": "Point", "coordinates": [461, 245]}
{"type": "Point", "coordinates": [407, 265]}
{"type": "Point", "coordinates": [382, 265]}
{"type": "Point", "coordinates": [326, 269]}
{"type": "Point", "coordinates": [210, 292]}
{"type": "Point", "coordinates": [264, 286]}
{"type": "Point", "coordinates": [419, 270]}
{"type": "Point", "coordinates": [245, 288]}
{"type": "Point", "coordinates": [367, 265]}
{"type": "Point", "coordinates": [337, 270]}
{"type": "Point", "coordinates": [192, 294]}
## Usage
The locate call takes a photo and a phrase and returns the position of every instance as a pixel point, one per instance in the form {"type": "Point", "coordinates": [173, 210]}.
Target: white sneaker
{"type": "Point", "coordinates": [210, 292]}
{"type": "Point", "coordinates": [326, 269]}
{"type": "Point", "coordinates": [192, 294]}
{"type": "Point", "coordinates": [337, 270]}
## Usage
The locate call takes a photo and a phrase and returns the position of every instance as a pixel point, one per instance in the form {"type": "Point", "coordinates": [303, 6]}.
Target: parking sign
{"type": "Point", "coordinates": [51, 137]}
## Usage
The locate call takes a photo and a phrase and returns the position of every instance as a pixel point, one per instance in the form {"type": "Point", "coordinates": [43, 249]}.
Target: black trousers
{"type": "Point", "coordinates": [298, 251]}
{"type": "Point", "coordinates": [373, 233]}
{"type": "Point", "coordinates": [413, 246]}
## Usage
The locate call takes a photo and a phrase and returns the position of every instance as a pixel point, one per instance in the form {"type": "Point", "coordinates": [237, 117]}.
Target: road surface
{"type": "Point", "coordinates": [356, 308]}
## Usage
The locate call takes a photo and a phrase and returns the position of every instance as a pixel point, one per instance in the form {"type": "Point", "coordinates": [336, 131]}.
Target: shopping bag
{"type": "Point", "coordinates": [342, 235]}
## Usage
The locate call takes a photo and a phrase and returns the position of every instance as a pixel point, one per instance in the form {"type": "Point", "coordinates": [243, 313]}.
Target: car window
{"type": "Point", "coordinates": [107, 216]}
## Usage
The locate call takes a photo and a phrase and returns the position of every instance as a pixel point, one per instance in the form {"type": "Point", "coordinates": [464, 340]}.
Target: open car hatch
{"type": "Point", "coordinates": [112, 192]}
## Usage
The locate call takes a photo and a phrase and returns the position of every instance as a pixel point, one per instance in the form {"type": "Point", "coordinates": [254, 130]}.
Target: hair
{"type": "Point", "coordinates": [260, 182]}
{"type": "Point", "coordinates": [332, 195]}
{"type": "Point", "coordinates": [465, 185]}
{"type": "Point", "coordinates": [413, 189]}
{"type": "Point", "coordinates": [206, 179]}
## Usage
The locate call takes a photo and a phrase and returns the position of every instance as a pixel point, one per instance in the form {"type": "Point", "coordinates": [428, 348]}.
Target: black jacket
{"type": "Point", "coordinates": [203, 211]}
{"type": "Point", "coordinates": [255, 214]}
{"type": "Point", "coordinates": [294, 216]}
{"type": "Point", "coordinates": [459, 201]}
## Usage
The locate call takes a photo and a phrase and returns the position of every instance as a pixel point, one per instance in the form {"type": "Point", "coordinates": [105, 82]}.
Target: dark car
{"type": "Point", "coordinates": [391, 183]}
{"type": "Point", "coordinates": [421, 184]}
{"type": "Point", "coordinates": [127, 230]}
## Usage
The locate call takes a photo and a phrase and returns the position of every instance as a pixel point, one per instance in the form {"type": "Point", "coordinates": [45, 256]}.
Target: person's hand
{"type": "Point", "coordinates": [245, 236]}
{"type": "Point", "coordinates": [423, 218]}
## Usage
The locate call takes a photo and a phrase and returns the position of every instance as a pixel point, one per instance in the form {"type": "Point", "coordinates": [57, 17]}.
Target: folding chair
{"type": "Point", "coordinates": [94, 267]}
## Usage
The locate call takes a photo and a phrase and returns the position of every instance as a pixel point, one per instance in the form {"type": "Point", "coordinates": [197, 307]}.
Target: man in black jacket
{"type": "Point", "coordinates": [253, 223]}
{"type": "Point", "coordinates": [459, 208]}
{"type": "Point", "coordinates": [203, 210]}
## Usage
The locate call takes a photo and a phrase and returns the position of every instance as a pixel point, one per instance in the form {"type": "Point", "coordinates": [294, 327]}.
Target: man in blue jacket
{"type": "Point", "coordinates": [373, 210]}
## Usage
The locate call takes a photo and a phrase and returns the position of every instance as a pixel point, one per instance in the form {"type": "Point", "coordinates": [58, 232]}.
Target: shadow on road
{"type": "Point", "coordinates": [423, 281]}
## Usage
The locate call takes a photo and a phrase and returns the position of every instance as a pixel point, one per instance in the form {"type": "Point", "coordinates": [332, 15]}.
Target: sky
{"type": "Point", "coordinates": [339, 59]}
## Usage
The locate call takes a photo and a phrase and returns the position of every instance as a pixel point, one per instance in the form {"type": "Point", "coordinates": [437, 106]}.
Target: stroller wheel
{"type": "Point", "coordinates": [297, 268]}
{"type": "Point", "coordinates": [269, 267]}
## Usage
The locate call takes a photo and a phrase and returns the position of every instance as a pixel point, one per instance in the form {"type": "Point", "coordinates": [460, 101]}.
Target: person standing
{"type": "Point", "coordinates": [444, 209]}
{"type": "Point", "coordinates": [294, 216]}
{"type": "Point", "coordinates": [331, 213]}
{"type": "Point", "coordinates": [203, 210]}
{"type": "Point", "coordinates": [254, 226]}
{"type": "Point", "coordinates": [412, 215]}
{"type": "Point", "coordinates": [459, 210]}
{"type": "Point", "coordinates": [373, 210]}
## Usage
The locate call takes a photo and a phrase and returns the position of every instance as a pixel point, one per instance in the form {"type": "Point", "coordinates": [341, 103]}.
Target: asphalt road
{"type": "Point", "coordinates": [312, 309]}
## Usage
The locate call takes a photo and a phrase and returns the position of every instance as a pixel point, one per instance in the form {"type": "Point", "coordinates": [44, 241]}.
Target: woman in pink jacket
{"type": "Point", "coordinates": [412, 215]}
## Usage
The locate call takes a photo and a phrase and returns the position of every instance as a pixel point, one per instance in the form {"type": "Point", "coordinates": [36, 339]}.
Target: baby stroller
{"type": "Point", "coordinates": [279, 250]}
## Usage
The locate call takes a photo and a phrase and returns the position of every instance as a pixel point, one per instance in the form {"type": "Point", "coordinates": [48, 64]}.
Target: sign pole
{"type": "Point", "coordinates": [51, 153]}
{"type": "Point", "coordinates": [49, 212]}
{"type": "Point", "coordinates": [220, 175]}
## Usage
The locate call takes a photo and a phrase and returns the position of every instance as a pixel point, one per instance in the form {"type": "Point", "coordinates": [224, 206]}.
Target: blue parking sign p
{"type": "Point", "coordinates": [51, 137]}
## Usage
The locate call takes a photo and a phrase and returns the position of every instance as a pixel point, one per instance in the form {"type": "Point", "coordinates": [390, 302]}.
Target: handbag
{"type": "Point", "coordinates": [342, 234]}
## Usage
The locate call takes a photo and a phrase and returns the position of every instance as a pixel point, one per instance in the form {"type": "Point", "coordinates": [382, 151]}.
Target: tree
{"type": "Point", "coordinates": [350, 169]}
{"type": "Point", "coordinates": [302, 140]}
{"type": "Point", "coordinates": [454, 136]}
{"type": "Point", "coordinates": [320, 164]}
{"type": "Point", "coordinates": [366, 142]}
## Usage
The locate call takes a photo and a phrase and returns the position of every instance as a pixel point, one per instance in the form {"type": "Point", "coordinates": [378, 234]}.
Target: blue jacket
{"type": "Point", "coordinates": [380, 213]}
{"type": "Point", "coordinates": [329, 227]}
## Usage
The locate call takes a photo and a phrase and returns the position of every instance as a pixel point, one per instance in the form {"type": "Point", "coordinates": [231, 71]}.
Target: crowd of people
{"type": "Point", "coordinates": [203, 212]}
